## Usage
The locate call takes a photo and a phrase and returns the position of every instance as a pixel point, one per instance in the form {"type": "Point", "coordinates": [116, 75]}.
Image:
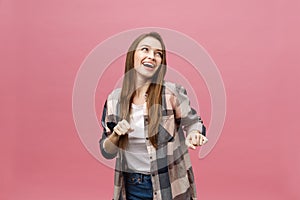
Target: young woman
{"type": "Point", "coordinates": [144, 124]}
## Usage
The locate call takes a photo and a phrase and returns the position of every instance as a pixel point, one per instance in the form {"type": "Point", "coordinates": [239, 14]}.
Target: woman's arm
{"type": "Point", "coordinates": [109, 141]}
{"type": "Point", "coordinates": [191, 122]}
{"type": "Point", "coordinates": [110, 144]}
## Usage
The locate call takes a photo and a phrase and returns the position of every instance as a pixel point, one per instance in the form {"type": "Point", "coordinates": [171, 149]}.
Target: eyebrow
{"type": "Point", "coordinates": [145, 45]}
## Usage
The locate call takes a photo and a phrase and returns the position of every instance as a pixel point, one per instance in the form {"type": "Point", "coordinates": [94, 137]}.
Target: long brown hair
{"type": "Point", "coordinates": [154, 92]}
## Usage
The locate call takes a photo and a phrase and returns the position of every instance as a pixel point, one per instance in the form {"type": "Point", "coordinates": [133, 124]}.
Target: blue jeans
{"type": "Point", "coordinates": [138, 186]}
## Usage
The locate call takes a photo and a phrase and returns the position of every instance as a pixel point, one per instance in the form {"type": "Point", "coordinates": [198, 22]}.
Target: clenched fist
{"type": "Point", "coordinates": [195, 138]}
{"type": "Point", "coordinates": [122, 128]}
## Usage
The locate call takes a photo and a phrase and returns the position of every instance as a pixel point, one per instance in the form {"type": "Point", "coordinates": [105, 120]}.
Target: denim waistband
{"type": "Point", "coordinates": [138, 176]}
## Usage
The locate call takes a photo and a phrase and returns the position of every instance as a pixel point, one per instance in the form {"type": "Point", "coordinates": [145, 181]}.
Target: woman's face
{"type": "Point", "coordinates": [147, 57]}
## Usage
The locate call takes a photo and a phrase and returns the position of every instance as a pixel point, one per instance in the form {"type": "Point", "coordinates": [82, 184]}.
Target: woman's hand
{"type": "Point", "coordinates": [110, 144]}
{"type": "Point", "coordinates": [195, 138]}
{"type": "Point", "coordinates": [122, 128]}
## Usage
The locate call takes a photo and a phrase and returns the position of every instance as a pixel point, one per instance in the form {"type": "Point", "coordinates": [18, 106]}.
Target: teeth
{"type": "Point", "coordinates": [148, 64]}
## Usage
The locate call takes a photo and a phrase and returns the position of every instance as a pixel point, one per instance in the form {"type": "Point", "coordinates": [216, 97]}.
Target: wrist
{"type": "Point", "coordinates": [115, 134]}
{"type": "Point", "coordinates": [194, 132]}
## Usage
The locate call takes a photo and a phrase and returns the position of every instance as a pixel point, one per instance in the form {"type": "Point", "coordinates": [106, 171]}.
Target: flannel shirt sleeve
{"type": "Point", "coordinates": [107, 130]}
{"type": "Point", "coordinates": [185, 114]}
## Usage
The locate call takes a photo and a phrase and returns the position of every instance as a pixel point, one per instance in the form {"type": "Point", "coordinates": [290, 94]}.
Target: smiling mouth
{"type": "Point", "coordinates": [150, 65]}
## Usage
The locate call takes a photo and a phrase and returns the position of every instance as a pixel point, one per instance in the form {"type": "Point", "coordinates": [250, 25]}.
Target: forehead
{"type": "Point", "coordinates": [150, 41]}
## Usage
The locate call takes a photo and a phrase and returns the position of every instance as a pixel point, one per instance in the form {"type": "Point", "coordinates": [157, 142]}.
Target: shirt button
{"type": "Point", "coordinates": [153, 174]}
{"type": "Point", "coordinates": [155, 193]}
{"type": "Point", "coordinates": [150, 157]}
{"type": "Point", "coordinates": [147, 138]}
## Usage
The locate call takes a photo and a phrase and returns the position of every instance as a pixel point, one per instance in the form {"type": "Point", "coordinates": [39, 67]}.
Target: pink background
{"type": "Point", "coordinates": [255, 45]}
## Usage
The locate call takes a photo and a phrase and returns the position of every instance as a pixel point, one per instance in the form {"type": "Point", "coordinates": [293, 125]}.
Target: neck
{"type": "Point", "coordinates": [141, 91]}
{"type": "Point", "coordinates": [141, 87]}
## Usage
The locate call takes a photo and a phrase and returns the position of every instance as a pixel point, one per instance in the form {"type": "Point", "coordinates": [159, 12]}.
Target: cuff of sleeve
{"type": "Point", "coordinates": [104, 153]}
{"type": "Point", "coordinates": [197, 127]}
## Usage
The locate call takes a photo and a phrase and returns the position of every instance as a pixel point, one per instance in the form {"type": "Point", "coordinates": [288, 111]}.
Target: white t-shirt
{"type": "Point", "coordinates": [136, 153]}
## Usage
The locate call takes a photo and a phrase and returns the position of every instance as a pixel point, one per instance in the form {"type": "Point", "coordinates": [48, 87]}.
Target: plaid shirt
{"type": "Point", "coordinates": [171, 170]}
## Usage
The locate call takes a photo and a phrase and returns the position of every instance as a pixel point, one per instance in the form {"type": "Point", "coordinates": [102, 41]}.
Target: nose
{"type": "Point", "coordinates": [151, 55]}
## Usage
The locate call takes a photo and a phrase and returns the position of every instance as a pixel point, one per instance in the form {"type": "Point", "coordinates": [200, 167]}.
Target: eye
{"type": "Point", "coordinates": [144, 49]}
{"type": "Point", "coordinates": [159, 54]}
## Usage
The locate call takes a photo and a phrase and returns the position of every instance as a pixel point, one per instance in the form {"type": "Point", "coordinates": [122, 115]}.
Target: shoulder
{"type": "Point", "coordinates": [112, 101]}
{"type": "Point", "coordinates": [173, 88]}
{"type": "Point", "coordinates": [115, 94]}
